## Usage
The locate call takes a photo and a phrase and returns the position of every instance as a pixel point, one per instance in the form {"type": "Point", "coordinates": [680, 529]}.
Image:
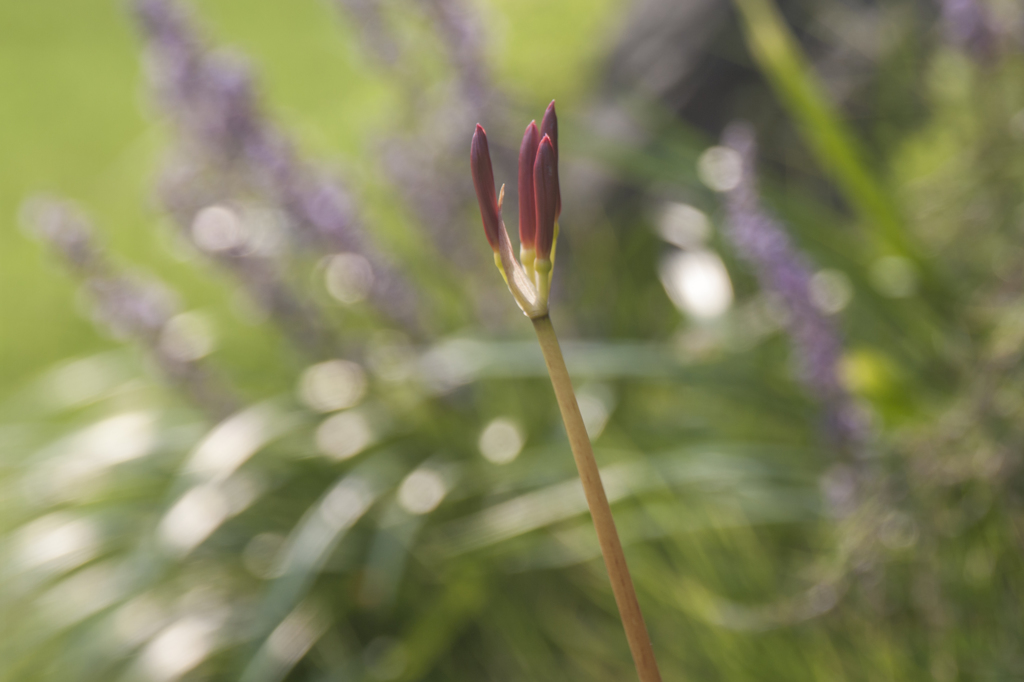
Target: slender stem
{"type": "Point", "coordinates": [607, 536]}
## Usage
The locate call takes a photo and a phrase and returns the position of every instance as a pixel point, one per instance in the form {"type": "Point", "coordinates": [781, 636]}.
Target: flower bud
{"type": "Point", "coordinates": [483, 181]}
{"type": "Point", "coordinates": [527, 200]}
{"type": "Point", "coordinates": [545, 187]}
{"type": "Point", "coordinates": [549, 127]}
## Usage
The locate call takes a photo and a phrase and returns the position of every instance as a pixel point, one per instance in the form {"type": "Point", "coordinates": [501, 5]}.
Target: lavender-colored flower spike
{"type": "Point", "coordinates": [781, 269]}
{"type": "Point", "coordinates": [229, 144]}
{"type": "Point", "coordinates": [374, 35]}
{"type": "Point", "coordinates": [968, 25]}
{"type": "Point", "coordinates": [129, 307]}
{"type": "Point", "coordinates": [457, 26]}
{"type": "Point", "coordinates": [422, 163]}
{"type": "Point", "coordinates": [460, 31]}
{"type": "Point", "coordinates": [185, 195]}
{"type": "Point", "coordinates": [211, 99]}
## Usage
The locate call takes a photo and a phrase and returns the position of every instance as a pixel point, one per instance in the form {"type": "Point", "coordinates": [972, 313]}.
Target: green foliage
{"type": "Point", "coordinates": [432, 527]}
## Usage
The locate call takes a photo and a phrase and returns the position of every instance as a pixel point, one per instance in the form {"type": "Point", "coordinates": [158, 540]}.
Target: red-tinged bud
{"type": "Point", "coordinates": [545, 188]}
{"type": "Point", "coordinates": [549, 127]}
{"type": "Point", "coordinates": [527, 200]}
{"type": "Point", "coordinates": [483, 181]}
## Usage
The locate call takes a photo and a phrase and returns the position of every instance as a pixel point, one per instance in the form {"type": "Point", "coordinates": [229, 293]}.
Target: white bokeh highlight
{"type": "Point", "coordinates": [422, 491]}
{"type": "Point", "coordinates": [720, 168]}
{"type": "Point", "coordinates": [345, 434]}
{"type": "Point", "coordinates": [348, 278]}
{"type": "Point", "coordinates": [697, 283]}
{"type": "Point", "coordinates": [218, 228]}
{"type": "Point", "coordinates": [333, 385]}
{"type": "Point", "coordinates": [683, 225]}
{"type": "Point", "coordinates": [501, 441]}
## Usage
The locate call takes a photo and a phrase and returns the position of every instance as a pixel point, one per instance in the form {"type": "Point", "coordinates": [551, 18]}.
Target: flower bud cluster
{"type": "Point", "coordinates": [540, 204]}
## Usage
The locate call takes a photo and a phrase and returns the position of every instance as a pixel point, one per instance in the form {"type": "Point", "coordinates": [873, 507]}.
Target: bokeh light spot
{"type": "Point", "coordinates": [720, 168]}
{"type": "Point", "coordinates": [683, 225]}
{"type": "Point", "coordinates": [501, 441]}
{"type": "Point", "coordinates": [344, 435]}
{"type": "Point", "coordinates": [193, 517]}
{"type": "Point", "coordinates": [178, 648]}
{"type": "Point", "coordinates": [217, 229]}
{"type": "Point", "coordinates": [332, 385]}
{"type": "Point", "coordinates": [697, 283]}
{"type": "Point", "coordinates": [830, 291]}
{"type": "Point", "coordinates": [348, 277]}
{"type": "Point", "coordinates": [57, 542]}
{"type": "Point", "coordinates": [422, 491]}
{"type": "Point", "coordinates": [188, 337]}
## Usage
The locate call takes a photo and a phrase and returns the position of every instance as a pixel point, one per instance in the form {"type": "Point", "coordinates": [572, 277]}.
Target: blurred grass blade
{"type": "Point", "coordinates": [779, 57]}
{"type": "Point", "coordinates": [746, 481]}
{"type": "Point", "coordinates": [311, 543]}
{"type": "Point", "coordinates": [288, 643]}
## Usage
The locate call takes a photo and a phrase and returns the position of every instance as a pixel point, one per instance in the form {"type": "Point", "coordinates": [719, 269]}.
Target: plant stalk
{"type": "Point", "coordinates": [607, 535]}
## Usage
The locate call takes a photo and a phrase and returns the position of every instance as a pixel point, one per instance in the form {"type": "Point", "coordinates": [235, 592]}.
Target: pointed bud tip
{"type": "Point", "coordinates": [549, 127]}
{"type": "Point", "coordinates": [549, 124]}
{"type": "Point", "coordinates": [549, 113]}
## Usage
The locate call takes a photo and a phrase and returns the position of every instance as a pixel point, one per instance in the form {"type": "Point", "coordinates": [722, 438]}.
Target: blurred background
{"type": "Point", "coordinates": [268, 413]}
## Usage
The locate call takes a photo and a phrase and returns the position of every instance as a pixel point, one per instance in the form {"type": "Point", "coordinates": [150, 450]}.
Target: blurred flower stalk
{"type": "Point", "coordinates": [763, 242]}
{"type": "Point", "coordinates": [130, 307]}
{"type": "Point", "coordinates": [529, 280]}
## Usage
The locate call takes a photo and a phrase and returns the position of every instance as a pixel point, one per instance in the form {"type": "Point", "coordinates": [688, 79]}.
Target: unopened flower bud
{"type": "Point", "coordinates": [483, 181]}
{"type": "Point", "coordinates": [527, 202]}
{"type": "Point", "coordinates": [545, 187]}
{"type": "Point", "coordinates": [549, 127]}
{"type": "Point", "coordinates": [529, 278]}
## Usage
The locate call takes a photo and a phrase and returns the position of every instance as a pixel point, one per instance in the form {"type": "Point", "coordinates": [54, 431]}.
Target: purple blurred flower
{"type": "Point", "coordinates": [781, 269]}
{"type": "Point", "coordinates": [968, 25]}
{"type": "Point", "coordinates": [425, 166]}
{"type": "Point", "coordinates": [460, 32]}
{"type": "Point", "coordinates": [130, 307]}
{"type": "Point", "coordinates": [210, 97]}
{"type": "Point", "coordinates": [229, 151]}
{"type": "Point", "coordinates": [373, 32]}
{"type": "Point", "coordinates": [455, 24]}
{"type": "Point", "coordinates": [186, 192]}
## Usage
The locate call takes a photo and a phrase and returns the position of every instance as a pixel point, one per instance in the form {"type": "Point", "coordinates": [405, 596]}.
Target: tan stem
{"type": "Point", "coordinates": [607, 536]}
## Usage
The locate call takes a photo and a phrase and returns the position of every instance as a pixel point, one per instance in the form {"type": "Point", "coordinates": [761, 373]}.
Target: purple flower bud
{"type": "Point", "coordinates": [483, 181]}
{"type": "Point", "coordinates": [527, 199]}
{"type": "Point", "coordinates": [549, 127]}
{"type": "Point", "coordinates": [545, 187]}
